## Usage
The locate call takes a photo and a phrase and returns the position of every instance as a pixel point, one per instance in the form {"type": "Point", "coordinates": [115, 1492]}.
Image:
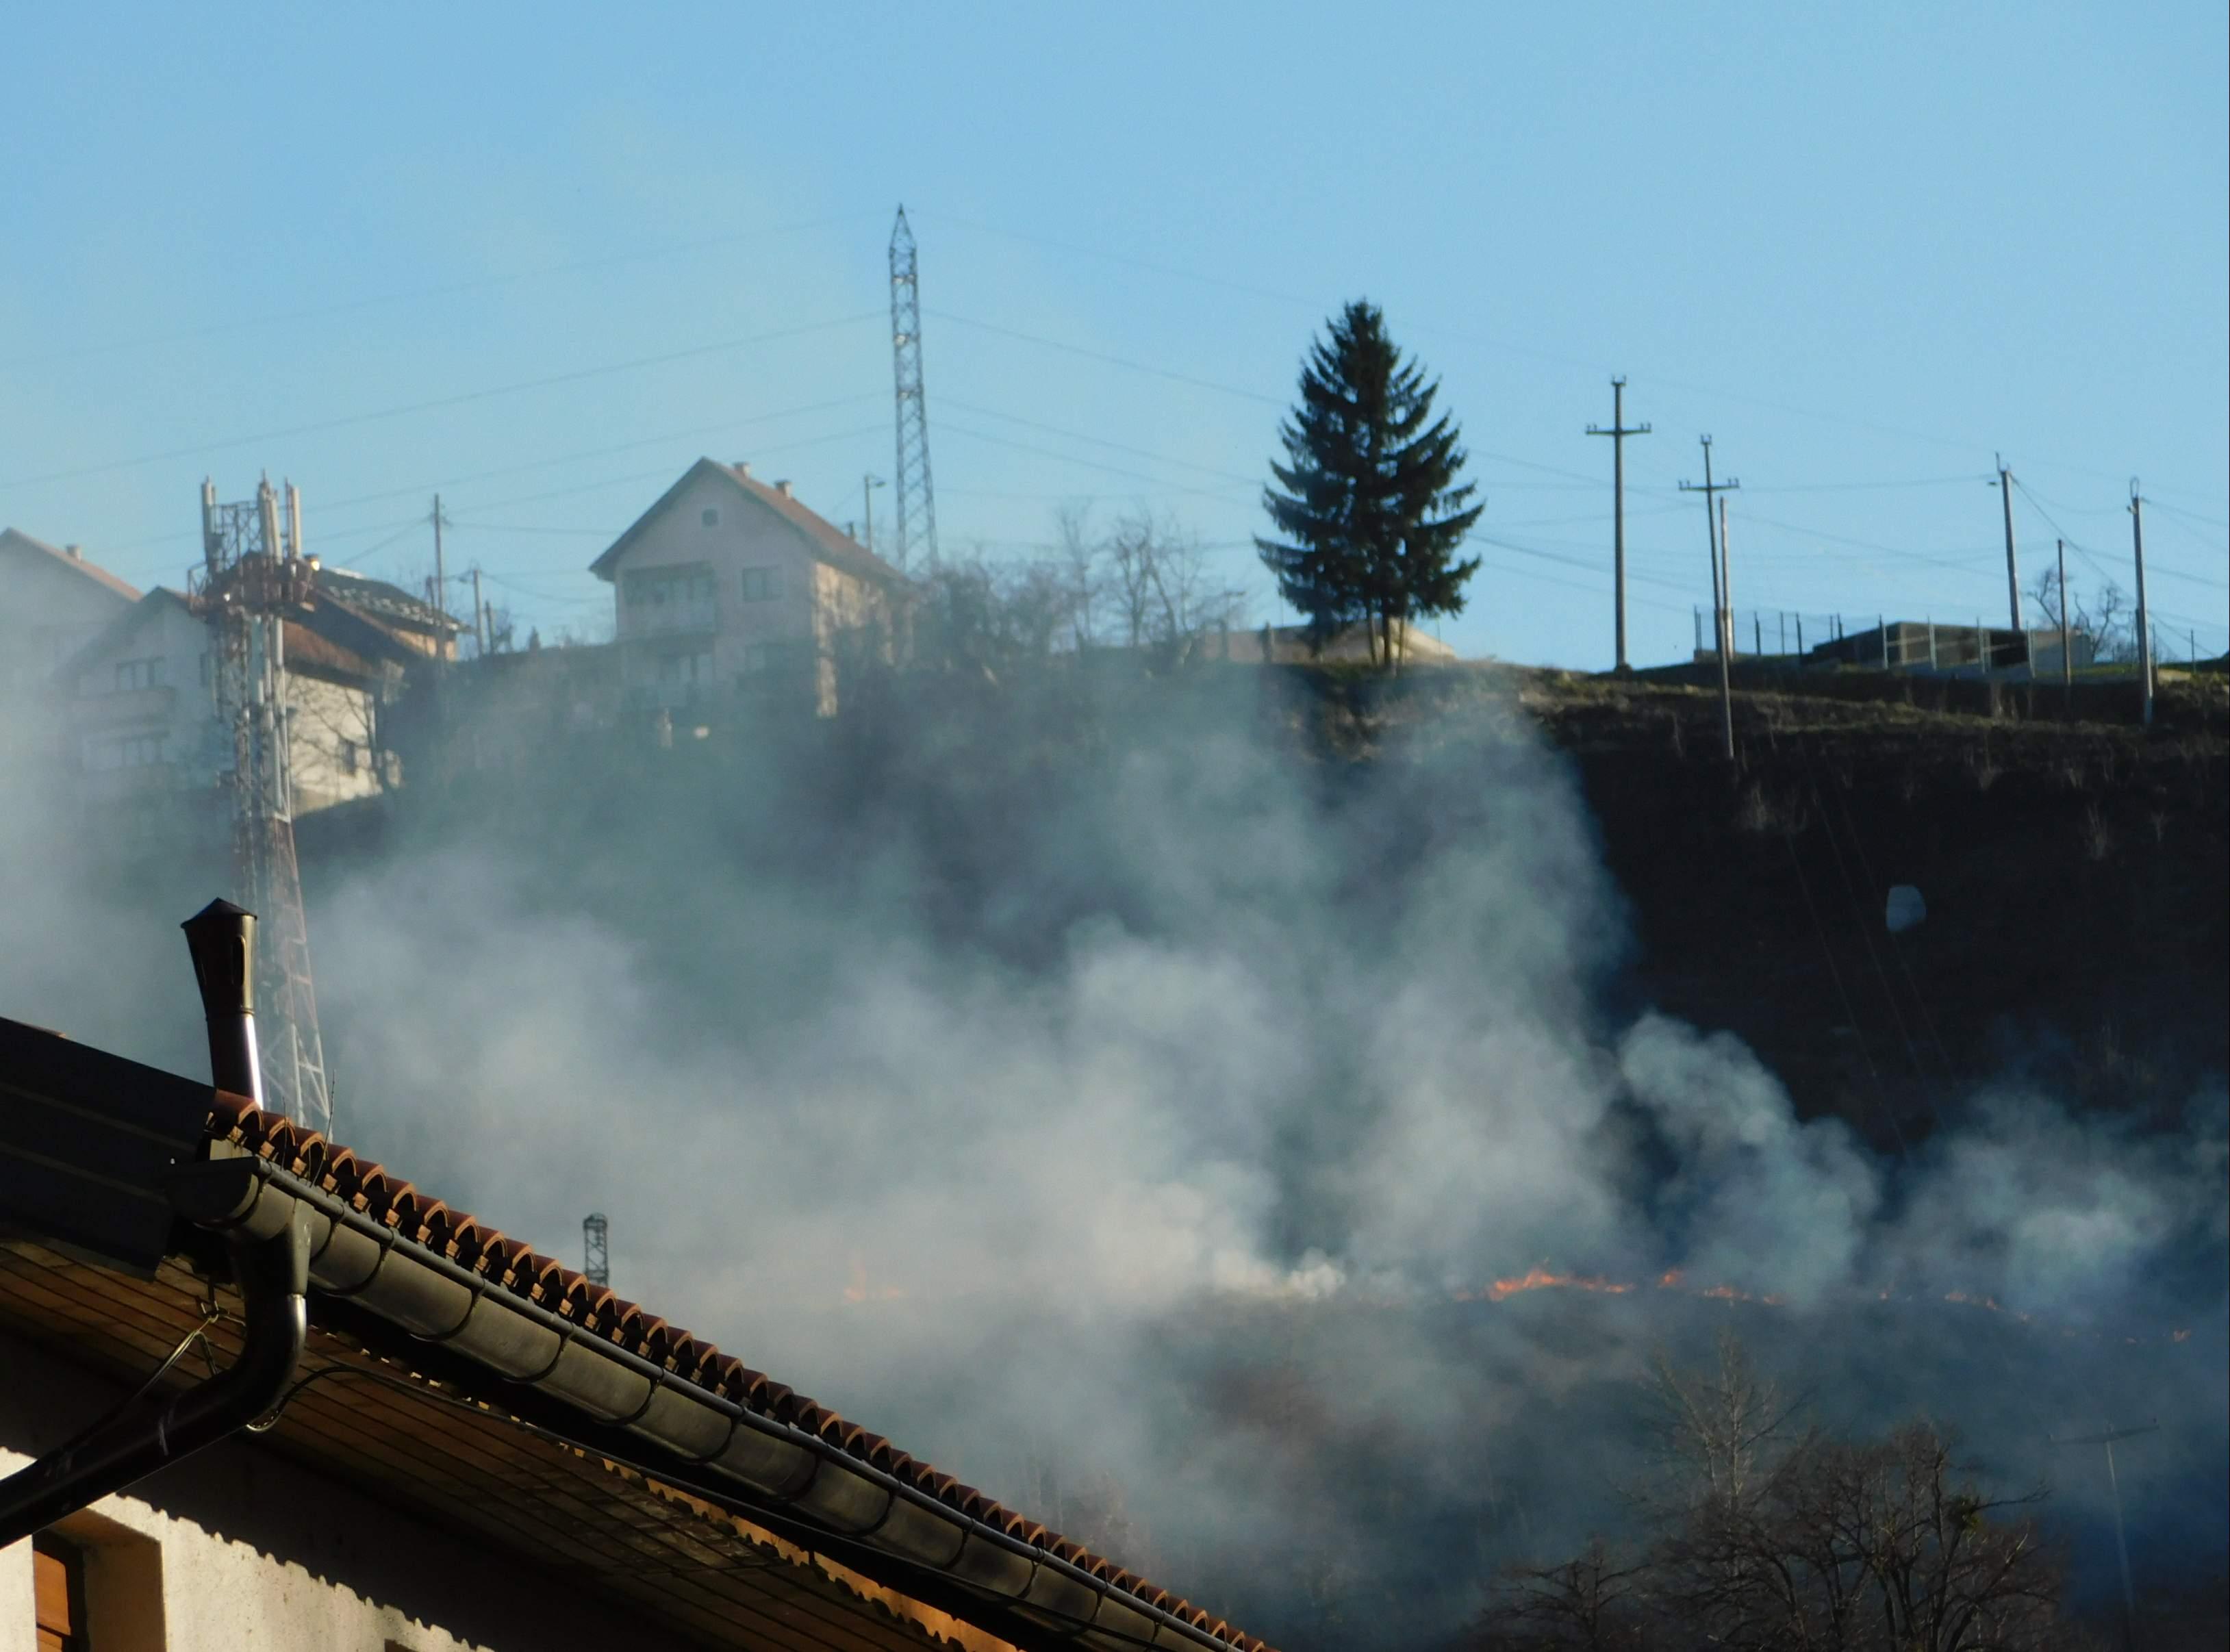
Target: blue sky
{"type": "Point", "coordinates": [541, 258]}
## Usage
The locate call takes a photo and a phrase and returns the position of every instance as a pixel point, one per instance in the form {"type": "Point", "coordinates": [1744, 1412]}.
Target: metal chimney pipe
{"type": "Point", "coordinates": [221, 938]}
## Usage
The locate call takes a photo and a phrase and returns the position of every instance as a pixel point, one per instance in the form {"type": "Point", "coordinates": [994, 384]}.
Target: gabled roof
{"type": "Point", "coordinates": [112, 634]}
{"type": "Point", "coordinates": [17, 538]}
{"type": "Point", "coordinates": [823, 539]}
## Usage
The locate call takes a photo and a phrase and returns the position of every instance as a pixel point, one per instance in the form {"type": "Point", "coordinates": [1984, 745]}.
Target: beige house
{"type": "Point", "coordinates": [729, 591]}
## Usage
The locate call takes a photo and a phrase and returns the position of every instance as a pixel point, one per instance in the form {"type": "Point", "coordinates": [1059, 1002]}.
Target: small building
{"type": "Point", "coordinates": [729, 591]}
{"type": "Point", "coordinates": [263, 1391]}
{"type": "Point", "coordinates": [1924, 646]}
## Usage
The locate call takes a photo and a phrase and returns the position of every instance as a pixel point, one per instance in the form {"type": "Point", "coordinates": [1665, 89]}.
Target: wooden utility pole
{"type": "Point", "coordinates": [479, 630]}
{"type": "Point", "coordinates": [1720, 619]}
{"type": "Point", "coordinates": [2144, 615]}
{"type": "Point", "coordinates": [1618, 433]}
{"type": "Point", "coordinates": [2066, 658]}
{"type": "Point", "coordinates": [2013, 568]}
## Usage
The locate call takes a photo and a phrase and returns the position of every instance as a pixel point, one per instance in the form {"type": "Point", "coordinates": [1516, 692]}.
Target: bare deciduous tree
{"type": "Point", "coordinates": [2105, 617]}
{"type": "Point", "coordinates": [1145, 584]}
{"type": "Point", "coordinates": [1758, 1540]}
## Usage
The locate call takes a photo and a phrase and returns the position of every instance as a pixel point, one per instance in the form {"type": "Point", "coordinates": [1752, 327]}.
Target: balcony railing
{"type": "Point", "coordinates": [670, 619]}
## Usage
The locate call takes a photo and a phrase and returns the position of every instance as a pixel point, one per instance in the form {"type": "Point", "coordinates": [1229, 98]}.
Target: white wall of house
{"type": "Point", "coordinates": [704, 603]}
{"type": "Point", "coordinates": [141, 720]}
{"type": "Point", "coordinates": [48, 611]}
{"type": "Point", "coordinates": [238, 1548]}
{"type": "Point", "coordinates": [139, 715]}
{"type": "Point", "coordinates": [332, 742]}
{"type": "Point", "coordinates": [720, 590]}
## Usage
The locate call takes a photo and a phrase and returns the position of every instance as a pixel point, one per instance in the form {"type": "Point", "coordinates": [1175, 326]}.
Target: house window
{"type": "Point", "coordinates": [137, 674]}
{"type": "Point", "coordinates": [58, 1594]}
{"type": "Point", "coordinates": [684, 670]}
{"type": "Point", "coordinates": [762, 584]}
{"type": "Point", "coordinates": [351, 757]}
{"type": "Point", "coordinates": [690, 585]}
{"type": "Point", "coordinates": [710, 517]}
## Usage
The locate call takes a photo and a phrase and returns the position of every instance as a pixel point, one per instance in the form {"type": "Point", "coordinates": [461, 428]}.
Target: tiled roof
{"type": "Point", "coordinates": [823, 539]}
{"type": "Point", "coordinates": [516, 1267]}
{"type": "Point", "coordinates": [830, 543]}
{"type": "Point", "coordinates": [378, 598]}
{"type": "Point", "coordinates": [94, 571]}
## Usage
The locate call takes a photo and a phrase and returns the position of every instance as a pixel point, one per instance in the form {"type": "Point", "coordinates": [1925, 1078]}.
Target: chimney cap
{"type": "Point", "coordinates": [782, 488]}
{"type": "Point", "coordinates": [74, 550]}
{"type": "Point", "coordinates": [742, 466]}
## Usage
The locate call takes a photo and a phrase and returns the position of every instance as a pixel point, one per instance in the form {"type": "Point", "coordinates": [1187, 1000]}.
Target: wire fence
{"type": "Point", "coordinates": [1967, 647]}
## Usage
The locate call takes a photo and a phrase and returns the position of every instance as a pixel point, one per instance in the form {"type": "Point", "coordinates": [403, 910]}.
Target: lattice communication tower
{"type": "Point", "coordinates": [252, 576]}
{"type": "Point", "coordinates": [596, 1250]}
{"type": "Point", "coordinates": [916, 502]}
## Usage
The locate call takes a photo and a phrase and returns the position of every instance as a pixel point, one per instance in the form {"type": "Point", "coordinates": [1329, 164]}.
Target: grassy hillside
{"type": "Point", "coordinates": [2074, 872]}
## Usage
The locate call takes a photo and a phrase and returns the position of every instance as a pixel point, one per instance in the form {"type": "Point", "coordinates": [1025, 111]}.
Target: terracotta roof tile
{"type": "Point", "coordinates": [516, 1268]}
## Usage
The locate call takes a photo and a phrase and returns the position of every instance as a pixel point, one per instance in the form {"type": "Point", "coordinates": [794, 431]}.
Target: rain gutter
{"type": "Point", "coordinates": [731, 1455]}
{"type": "Point", "coordinates": [270, 1253]}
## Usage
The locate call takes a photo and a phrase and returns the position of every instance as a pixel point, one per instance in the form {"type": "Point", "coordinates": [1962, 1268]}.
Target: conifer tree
{"type": "Point", "coordinates": [1372, 512]}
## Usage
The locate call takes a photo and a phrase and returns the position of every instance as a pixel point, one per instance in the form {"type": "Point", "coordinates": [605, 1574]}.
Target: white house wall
{"type": "Point", "coordinates": [111, 718]}
{"type": "Point", "coordinates": [47, 612]}
{"type": "Point", "coordinates": [730, 632]}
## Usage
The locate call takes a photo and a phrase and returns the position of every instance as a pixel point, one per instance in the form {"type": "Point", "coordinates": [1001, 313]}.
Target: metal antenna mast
{"type": "Point", "coordinates": [254, 575]}
{"type": "Point", "coordinates": [916, 504]}
{"type": "Point", "coordinates": [597, 1249]}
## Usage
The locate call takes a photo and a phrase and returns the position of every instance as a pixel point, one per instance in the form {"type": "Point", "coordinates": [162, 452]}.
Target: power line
{"type": "Point", "coordinates": [437, 402]}
{"type": "Point", "coordinates": [443, 290]}
{"type": "Point", "coordinates": [1099, 441]}
{"type": "Point", "coordinates": [1933, 438]}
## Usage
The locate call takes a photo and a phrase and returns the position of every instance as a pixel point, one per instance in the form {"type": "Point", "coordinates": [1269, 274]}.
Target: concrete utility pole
{"type": "Point", "coordinates": [2066, 659]}
{"type": "Point", "coordinates": [867, 486]}
{"type": "Point", "coordinates": [2106, 1438]}
{"type": "Point", "coordinates": [1727, 578]}
{"type": "Point", "coordinates": [440, 585]}
{"type": "Point", "coordinates": [1720, 619]}
{"type": "Point", "coordinates": [1618, 433]}
{"type": "Point", "coordinates": [2013, 568]}
{"type": "Point", "coordinates": [2144, 615]}
{"type": "Point", "coordinates": [480, 630]}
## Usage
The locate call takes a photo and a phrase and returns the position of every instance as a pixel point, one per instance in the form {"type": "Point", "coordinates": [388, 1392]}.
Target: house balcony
{"type": "Point", "coordinates": [151, 705]}
{"type": "Point", "coordinates": [671, 619]}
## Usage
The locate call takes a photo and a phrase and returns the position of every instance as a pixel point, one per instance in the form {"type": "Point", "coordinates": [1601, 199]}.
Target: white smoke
{"type": "Point", "coordinates": [1146, 1114]}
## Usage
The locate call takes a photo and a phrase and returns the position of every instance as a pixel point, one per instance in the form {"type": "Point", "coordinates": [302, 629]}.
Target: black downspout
{"type": "Point", "coordinates": [272, 1269]}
